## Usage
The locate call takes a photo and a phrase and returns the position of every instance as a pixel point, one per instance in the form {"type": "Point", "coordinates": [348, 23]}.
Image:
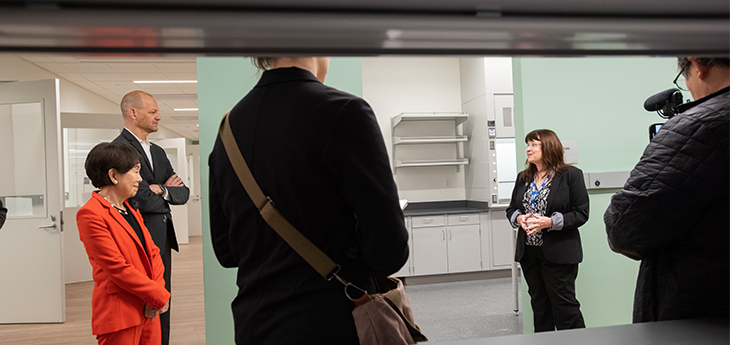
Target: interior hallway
{"type": "Point", "coordinates": [445, 311]}
{"type": "Point", "coordinates": [187, 323]}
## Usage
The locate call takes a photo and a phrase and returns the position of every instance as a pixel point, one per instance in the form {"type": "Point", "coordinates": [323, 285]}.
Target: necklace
{"type": "Point", "coordinates": [121, 210]}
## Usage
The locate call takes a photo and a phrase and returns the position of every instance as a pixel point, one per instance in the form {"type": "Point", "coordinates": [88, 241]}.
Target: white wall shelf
{"type": "Point", "coordinates": [453, 119]}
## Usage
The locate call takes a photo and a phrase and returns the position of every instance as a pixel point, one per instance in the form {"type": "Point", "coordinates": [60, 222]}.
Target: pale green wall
{"type": "Point", "coordinates": [599, 103]}
{"type": "Point", "coordinates": [222, 82]}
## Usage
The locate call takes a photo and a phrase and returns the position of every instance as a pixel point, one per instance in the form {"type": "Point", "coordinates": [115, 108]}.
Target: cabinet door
{"type": "Point", "coordinates": [405, 271]}
{"type": "Point", "coordinates": [464, 248]}
{"type": "Point", "coordinates": [429, 251]}
{"type": "Point", "coordinates": [502, 246]}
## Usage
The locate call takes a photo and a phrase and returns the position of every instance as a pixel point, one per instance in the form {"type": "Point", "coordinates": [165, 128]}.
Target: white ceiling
{"type": "Point", "coordinates": [113, 77]}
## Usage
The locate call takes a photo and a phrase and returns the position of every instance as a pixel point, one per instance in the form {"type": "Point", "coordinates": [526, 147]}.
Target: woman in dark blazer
{"type": "Point", "coordinates": [318, 153]}
{"type": "Point", "coordinates": [129, 288]}
{"type": "Point", "coordinates": [549, 203]}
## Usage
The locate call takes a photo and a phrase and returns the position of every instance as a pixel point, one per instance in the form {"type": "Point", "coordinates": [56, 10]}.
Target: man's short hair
{"type": "Point", "coordinates": [683, 62]}
{"type": "Point", "coordinates": [133, 99]}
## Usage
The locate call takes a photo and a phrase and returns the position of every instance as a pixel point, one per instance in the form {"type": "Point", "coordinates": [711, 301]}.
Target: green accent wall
{"type": "Point", "coordinates": [599, 103]}
{"type": "Point", "coordinates": [222, 82]}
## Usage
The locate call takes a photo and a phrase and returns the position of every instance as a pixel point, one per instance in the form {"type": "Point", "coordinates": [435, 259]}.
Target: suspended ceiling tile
{"type": "Point", "coordinates": [182, 76]}
{"type": "Point", "coordinates": [147, 76]}
{"type": "Point", "coordinates": [103, 76]}
{"type": "Point", "coordinates": [74, 77]}
{"type": "Point", "coordinates": [53, 67]}
{"type": "Point", "coordinates": [87, 67]}
{"type": "Point", "coordinates": [177, 67]}
{"type": "Point", "coordinates": [134, 67]}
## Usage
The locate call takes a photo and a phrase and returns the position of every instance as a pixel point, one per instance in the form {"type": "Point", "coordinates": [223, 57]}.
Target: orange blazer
{"type": "Point", "coordinates": [125, 277]}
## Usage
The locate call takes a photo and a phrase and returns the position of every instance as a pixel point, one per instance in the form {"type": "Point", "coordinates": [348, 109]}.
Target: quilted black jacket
{"type": "Point", "coordinates": [673, 215]}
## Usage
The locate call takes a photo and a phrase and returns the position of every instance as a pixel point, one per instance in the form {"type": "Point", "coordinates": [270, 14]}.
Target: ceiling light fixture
{"type": "Point", "coordinates": [165, 81]}
{"type": "Point", "coordinates": [186, 109]}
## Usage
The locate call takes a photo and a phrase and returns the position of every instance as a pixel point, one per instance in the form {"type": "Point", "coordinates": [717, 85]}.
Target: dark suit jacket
{"type": "Point", "coordinates": [3, 214]}
{"type": "Point", "coordinates": [126, 277]}
{"type": "Point", "coordinates": [568, 195]}
{"type": "Point", "coordinates": [154, 208]}
{"type": "Point", "coordinates": [319, 154]}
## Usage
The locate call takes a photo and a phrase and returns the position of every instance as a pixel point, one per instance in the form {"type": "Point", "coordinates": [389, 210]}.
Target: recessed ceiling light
{"type": "Point", "coordinates": [186, 109]}
{"type": "Point", "coordinates": [165, 81]}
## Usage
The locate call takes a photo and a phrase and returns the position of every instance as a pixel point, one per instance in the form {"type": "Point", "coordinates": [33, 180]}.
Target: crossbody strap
{"type": "Point", "coordinates": [305, 248]}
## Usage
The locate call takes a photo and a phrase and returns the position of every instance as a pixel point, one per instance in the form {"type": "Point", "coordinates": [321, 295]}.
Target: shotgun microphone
{"type": "Point", "coordinates": [665, 103]}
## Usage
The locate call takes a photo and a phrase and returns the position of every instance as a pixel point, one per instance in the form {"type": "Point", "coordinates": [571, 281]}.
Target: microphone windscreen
{"type": "Point", "coordinates": [657, 102]}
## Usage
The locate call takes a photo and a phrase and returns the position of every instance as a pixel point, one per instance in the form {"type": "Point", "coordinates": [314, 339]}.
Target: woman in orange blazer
{"type": "Point", "coordinates": [129, 288]}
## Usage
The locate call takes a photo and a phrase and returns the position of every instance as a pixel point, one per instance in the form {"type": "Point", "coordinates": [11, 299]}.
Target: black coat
{"type": "Point", "coordinates": [3, 214]}
{"type": "Point", "coordinates": [319, 154]}
{"type": "Point", "coordinates": [568, 196]}
{"type": "Point", "coordinates": [154, 208]}
{"type": "Point", "coordinates": [673, 215]}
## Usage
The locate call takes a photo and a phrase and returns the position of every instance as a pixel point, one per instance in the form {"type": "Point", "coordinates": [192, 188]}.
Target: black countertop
{"type": "Point", "coordinates": [697, 331]}
{"type": "Point", "coordinates": [445, 207]}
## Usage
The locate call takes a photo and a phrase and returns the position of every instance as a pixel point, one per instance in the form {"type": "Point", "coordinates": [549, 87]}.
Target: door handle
{"type": "Point", "coordinates": [443, 235]}
{"type": "Point", "coordinates": [52, 226]}
{"type": "Point", "coordinates": [449, 235]}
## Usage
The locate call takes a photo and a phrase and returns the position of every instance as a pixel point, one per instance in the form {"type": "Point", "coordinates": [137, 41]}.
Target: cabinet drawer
{"type": "Point", "coordinates": [425, 221]}
{"type": "Point", "coordinates": [463, 219]}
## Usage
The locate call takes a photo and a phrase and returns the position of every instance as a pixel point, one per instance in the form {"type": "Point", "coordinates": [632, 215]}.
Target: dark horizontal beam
{"type": "Point", "coordinates": [344, 33]}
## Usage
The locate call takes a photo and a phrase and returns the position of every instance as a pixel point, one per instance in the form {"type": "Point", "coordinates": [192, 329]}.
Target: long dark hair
{"type": "Point", "coordinates": [552, 153]}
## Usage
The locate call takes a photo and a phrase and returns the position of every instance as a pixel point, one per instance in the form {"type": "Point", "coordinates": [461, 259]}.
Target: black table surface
{"type": "Point", "coordinates": [694, 332]}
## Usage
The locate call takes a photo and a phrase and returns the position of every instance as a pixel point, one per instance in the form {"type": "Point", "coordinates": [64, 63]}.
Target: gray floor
{"type": "Point", "coordinates": [465, 310]}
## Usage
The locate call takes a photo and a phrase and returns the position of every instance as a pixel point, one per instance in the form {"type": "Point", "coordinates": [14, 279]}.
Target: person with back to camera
{"type": "Point", "coordinates": [673, 213]}
{"type": "Point", "coordinates": [129, 287]}
{"type": "Point", "coordinates": [319, 154]}
{"type": "Point", "coordinates": [3, 214]}
{"type": "Point", "coordinates": [549, 202]}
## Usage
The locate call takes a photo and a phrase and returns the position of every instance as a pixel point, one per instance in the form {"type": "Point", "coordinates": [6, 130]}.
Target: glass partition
{"type": "Point", "coordinates": [77, 142]}
{"type": "Point", "coordinates": [23, 168]}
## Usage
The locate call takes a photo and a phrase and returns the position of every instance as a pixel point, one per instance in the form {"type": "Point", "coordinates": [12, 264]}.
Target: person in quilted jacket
{"type": "Point", "coordinates": [673, 213]}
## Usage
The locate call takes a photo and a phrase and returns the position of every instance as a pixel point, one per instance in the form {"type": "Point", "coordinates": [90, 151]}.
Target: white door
{"type": "Point", "coordinates": [31, 241]}
{"type": "Point", "coordinates": [429, 251]}
{"type": "Point", "coordinates": [175, 150]}
{"type": "Point", "coordinates": [464, 248]}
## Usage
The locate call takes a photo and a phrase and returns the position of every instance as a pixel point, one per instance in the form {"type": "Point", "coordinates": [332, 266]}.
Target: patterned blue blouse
{"type": "Point", "coordinates": [539, 206]}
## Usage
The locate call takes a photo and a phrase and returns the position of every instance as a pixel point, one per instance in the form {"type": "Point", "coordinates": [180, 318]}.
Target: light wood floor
{"type": "Point", "coordinates": [187, 308]}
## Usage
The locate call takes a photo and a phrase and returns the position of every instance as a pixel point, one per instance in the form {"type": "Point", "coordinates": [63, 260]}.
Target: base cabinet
{"type": "Point", "coordinates": [464, 249]}
{"type": "Point", "coordinates": [430, 254]}
{"type": "Point", "coordinates": [455, 243]}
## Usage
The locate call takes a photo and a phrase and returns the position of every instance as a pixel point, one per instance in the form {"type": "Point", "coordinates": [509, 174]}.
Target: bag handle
{"type": "Point", "coordinates": [303, 246]}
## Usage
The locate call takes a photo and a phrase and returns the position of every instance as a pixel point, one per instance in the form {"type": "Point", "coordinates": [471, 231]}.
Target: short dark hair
{"type": "Point", "coordinates": [106, 156]}
{"type": "Point", "coordinates": [683, 62]}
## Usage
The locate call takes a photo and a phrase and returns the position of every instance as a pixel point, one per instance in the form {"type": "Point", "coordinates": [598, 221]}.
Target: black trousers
{"type": "Point", "coordinates": [552, 292]}
{"type": "Point", "coordinates": [166, 255]}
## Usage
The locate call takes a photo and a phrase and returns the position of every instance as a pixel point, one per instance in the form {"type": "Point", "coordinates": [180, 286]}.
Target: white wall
{"type": "Point", "coordinates": [393, 85]}
{"type": "Point", "coordinates": [74, 99]}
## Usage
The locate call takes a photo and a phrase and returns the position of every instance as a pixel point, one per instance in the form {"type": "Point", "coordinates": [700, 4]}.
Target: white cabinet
{"type": "Point", "coordinates": [462, 242]}
{"type": "Point", "coordinates": [429, 251]}
{"type": "Point", "coordinates": [405, 271]}
{"type": "Point", "coordinates": [502, 253]}
{"type": "Point", "coordinates": [446, 244]}
{"type": "Point", "coordinates": [464, 249]}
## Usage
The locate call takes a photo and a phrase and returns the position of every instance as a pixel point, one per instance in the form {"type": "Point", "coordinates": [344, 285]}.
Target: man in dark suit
{"type": "Point", "coordinates": [160, 186]}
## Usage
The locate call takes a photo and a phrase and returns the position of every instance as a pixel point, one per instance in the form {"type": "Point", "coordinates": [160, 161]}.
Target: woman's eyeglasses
{"type": "Point", "coordinates": [532, 145]}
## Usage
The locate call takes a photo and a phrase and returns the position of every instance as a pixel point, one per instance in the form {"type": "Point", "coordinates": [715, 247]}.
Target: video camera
{"type": "Point", "coordinates": [666, 104]}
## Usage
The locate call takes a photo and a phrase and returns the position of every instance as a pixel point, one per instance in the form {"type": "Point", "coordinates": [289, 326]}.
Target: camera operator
{"type": "Point", "coordinates": [673, 213]}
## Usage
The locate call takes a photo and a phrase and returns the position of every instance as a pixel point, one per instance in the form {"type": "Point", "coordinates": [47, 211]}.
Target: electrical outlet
{"type": "Point", "coordinates": [447, 182]}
